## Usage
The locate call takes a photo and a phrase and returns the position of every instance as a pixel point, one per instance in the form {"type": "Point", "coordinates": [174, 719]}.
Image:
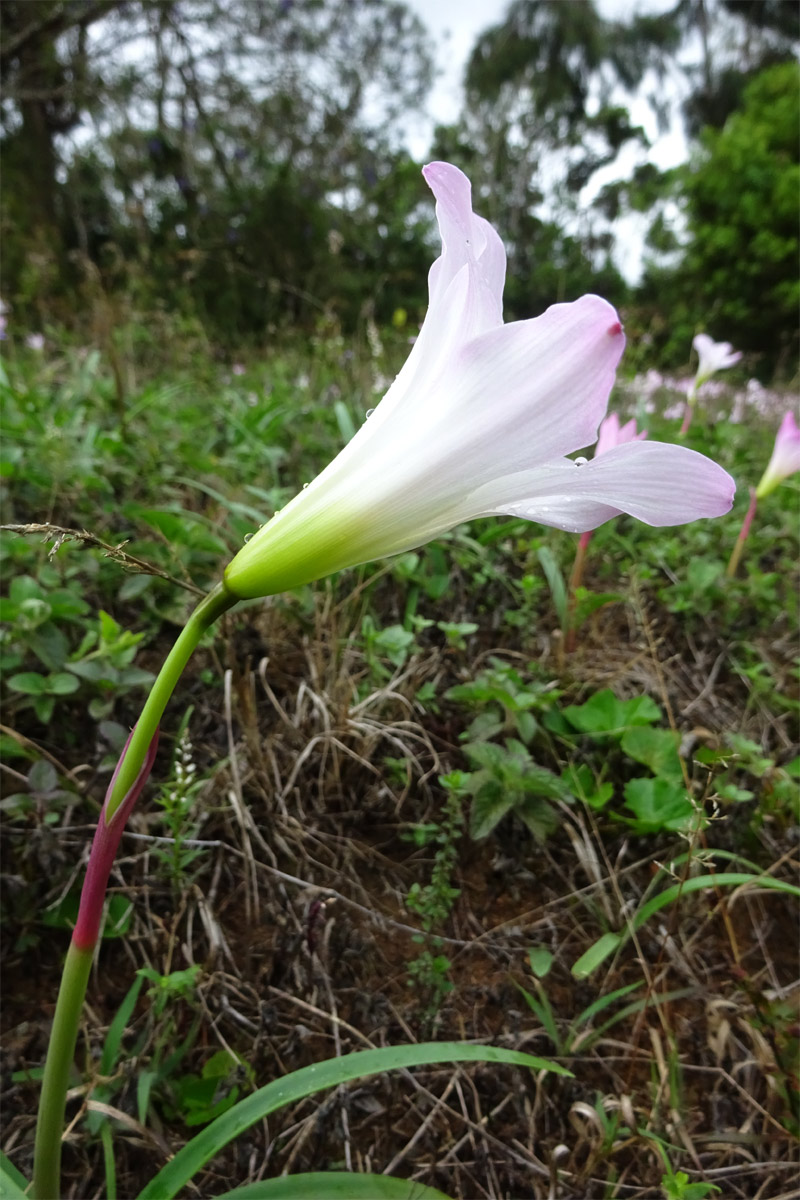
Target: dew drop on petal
{"type": "Point", "coordinates": [305, 485]}
{"type": "Point", "coordinates": [370, 411]}
{"type": "Point", "coordinates": [580, 461]}
{"type": "Point", "coordinates": [247, 537]}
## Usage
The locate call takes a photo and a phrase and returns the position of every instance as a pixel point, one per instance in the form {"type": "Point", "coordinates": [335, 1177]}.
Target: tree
{"type": "Point", "coordinates": [737, 275]}
{"type": "Point", "coordinates": [212, 146]}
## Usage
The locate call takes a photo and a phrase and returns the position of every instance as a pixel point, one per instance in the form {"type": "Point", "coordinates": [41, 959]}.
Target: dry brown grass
{"type": "Point", "coordinates": [296, 916]}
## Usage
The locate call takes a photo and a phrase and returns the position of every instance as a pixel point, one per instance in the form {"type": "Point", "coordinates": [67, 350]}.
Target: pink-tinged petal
{"type": "Point", "coordinates": [465, 285]}
{"type": "Point", "coordinates": [467, 240]}
{"type": "Point", "coordinates": [657, 483]}
{"type": "Point", "coordinates": [785, 458]}
{"type": "Point", "coordinates": [611, 434]}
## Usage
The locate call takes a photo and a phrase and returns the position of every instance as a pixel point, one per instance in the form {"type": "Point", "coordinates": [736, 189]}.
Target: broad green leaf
{"type": "Point", "coordinates": [29, 682]}
{"type": "Point", "coordinates": [538, 815]}
{"type": "Point", "coordinates": [334, 1185]}
{"type": "Point", "coordinates": [24, 587]}
{"type": "Point", "coordinates": [656, 748]}
{"type": "Point", "coordinates": [62, 684]}
{"type": "Point", "coordinates": [316, 1078]}
{"type": "Point", "coordinates": [660, 804]}
{"type": "Point", "coordinates": [580, 780]}
{"type": "Point", "coordinates": [603, 713]}
{"type": "Point", "coordinates": [489, 805]}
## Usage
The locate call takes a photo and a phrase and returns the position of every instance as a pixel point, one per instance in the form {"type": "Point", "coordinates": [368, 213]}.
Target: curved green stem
{"type": "Point", "coordinates": [210, 607]}
{"type": "Point", "coordinates": [129, 780]}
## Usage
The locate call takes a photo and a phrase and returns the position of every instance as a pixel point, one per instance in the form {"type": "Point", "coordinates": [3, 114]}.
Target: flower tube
{"type": "Point", "coordinates": [785, 458]}
{"type": "Point", "coordinates": [479, 422]}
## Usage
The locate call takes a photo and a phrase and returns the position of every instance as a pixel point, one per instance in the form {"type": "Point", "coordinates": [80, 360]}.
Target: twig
{"type": "Point", "coordinates": [128, 561]}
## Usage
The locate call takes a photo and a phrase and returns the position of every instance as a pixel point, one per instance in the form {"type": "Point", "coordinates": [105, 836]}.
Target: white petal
{"type": "Point", "coordinates": [657, 483]}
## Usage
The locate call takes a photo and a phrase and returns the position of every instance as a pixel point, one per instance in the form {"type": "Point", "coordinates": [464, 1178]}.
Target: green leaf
{"type": "Point", "coordinates": [596, 954]}
{"type": "Point", "coordinates": [24, 587]}
{"type": "Point", "coordinates": [589, 602]}
{"type": "Point", "coordinates": [31, 683]}
{"type": "Point", "coordinates": [581, 782]}
{"type": "Point", "coordinates": [10, 1173]}
{"type": "Point", "coordinates": [660, 804]}
{"type": "Point", "coordinates": [111, 1048]}
{"type": "Point", "coordinates": [541, 960]}
{"type": "Point", "coordinates": [656, 748]}
{"type": "Point", "coordinates": [603, 713]}
{"type": "Point", "coordinates": [62, 684]}
{"type": "Point", "coordinates": [609, 942]}
{"type": "Point", "coordinates": [316, 1078]}
{"type": "Point", "coordinates": [49, 645]}
{"type": "Point", "coordinates": [538, 815]}
{"type": "Point", "coordinates": [489, 805]}
{"type": "Point", "coordinates": [555, 581]}
{"type": "Point", "coordinates": [42, 777]}
{"type": "Point", "coordinates": [43, 707]}
{"type": "Point", "coordinates": [10, 1186]}
{"type": "Point", "coordinates": [344, 420]}
{"type": "Point", "coordinates": [335, 1185]}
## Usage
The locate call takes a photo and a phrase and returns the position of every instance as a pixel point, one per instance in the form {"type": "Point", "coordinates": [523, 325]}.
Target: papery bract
{"type": "Point", "coordinates": [478, 422]}
{"type": "Point", "coordinates": [785, 458]}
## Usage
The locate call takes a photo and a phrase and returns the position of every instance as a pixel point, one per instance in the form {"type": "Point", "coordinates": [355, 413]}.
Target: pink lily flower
{"type": "Point", "coordinates": [613, 434]}
{"type": "Point", "coordinates": [785, 458]}
{"type": "Point", "coordinates": [480, 421]}
{"type": "Point", "coordinates": [713, 356]}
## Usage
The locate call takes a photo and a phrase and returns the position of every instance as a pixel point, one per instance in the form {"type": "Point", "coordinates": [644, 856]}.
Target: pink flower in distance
{"type": "Point", "coordinates": [613, 434]}
{"type": "Point", "coordinates": [480, 421]}
{"type": "Point", "coordinates": [713, 356]}
{"type": "Point", "coordinates": [785, 458]}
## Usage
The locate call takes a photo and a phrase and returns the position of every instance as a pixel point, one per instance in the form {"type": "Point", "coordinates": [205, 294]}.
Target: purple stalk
{"type": "Point", "coordinates": [104, 848]}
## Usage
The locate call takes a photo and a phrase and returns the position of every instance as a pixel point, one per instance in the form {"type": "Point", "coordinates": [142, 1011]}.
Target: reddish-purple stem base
{"type": "Point", "coordinates": [104, 848]}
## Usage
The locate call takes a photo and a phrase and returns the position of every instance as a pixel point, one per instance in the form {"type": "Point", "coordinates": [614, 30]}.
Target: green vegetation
{"type": "Point", "coordinates": [411, 742]}
{"type": "Point", "coordinates": [470, 792]}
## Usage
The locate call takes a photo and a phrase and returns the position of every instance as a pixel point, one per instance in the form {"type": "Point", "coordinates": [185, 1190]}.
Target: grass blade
{"type": "Point", "coordinates": [318, 1077]}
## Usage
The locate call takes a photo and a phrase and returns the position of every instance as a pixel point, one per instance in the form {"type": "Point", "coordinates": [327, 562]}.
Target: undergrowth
{"type": "Point", "coordinates": [396, 801]}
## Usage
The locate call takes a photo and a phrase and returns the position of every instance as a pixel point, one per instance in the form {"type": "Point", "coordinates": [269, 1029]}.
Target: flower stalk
{"type": "Point", "coordinates": [126, 785]}
{"type": "Point", "coordinates": [733, 563]}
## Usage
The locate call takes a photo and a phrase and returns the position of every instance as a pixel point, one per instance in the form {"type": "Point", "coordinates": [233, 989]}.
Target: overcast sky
{"type": "Point", "coordinates": [455, 26]}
